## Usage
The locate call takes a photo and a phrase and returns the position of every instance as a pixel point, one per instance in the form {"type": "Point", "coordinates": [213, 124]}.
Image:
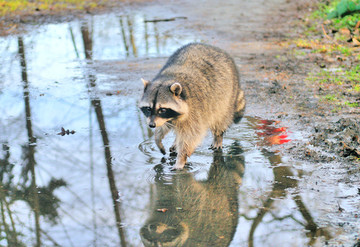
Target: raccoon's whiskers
{"type": "Point", "coordinates": [169, 125]}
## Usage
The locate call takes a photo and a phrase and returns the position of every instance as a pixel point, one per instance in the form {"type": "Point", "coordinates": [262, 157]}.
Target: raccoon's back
{"type": "Point", "coordinates": [212, 64]}
{"type": "Point", "coordinates": [208, 76]}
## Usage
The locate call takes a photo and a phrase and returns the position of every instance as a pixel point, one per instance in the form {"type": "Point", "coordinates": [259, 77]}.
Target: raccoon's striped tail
{"type": "Point", "coordinates": [239, 107]}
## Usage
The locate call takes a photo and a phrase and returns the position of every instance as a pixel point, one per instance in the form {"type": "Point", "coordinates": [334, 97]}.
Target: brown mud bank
{"type": "Point", "coordinates": [288, 174]}
{"type": "Point", "coordinates": [17, 21]}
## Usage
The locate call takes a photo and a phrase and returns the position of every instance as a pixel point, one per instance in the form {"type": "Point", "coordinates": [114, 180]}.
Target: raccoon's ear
{"type": "Point", "coordinates": [146, 82]}
{"type": "Point", "coordinates": [176, 89]}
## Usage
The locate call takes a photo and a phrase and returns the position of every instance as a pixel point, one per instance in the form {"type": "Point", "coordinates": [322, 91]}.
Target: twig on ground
{"type": "Point", "coordinates": [326, 35]}
{"type": "Point", "coordinates": [167, 19]}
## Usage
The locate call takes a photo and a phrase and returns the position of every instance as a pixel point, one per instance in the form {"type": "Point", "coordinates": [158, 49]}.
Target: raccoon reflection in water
{"type": "Point", "coordinates": [198, 213]}
{"type": "Point", "coordinates": [197, 89]}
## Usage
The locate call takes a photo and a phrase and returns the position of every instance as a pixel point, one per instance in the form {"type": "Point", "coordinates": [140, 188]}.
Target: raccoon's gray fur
{"type": "Point", "coordinates": [197, 89]}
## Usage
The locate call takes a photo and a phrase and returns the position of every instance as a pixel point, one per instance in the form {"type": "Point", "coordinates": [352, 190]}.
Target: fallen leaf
{"type": "Point", "coordinates": [357, 25]}
{"type": "Point", "coordinates": [345, 31]}
{"type": "Point", "coordinates": [356, 42]}
{"type": "Point", "coordinates": [340, 208]}
{"type": "Point", "coordinates": [66, 132]}
{"type": "Point", "coordinates": [163, 210]}
{"type": "Point", "coordinates": [327, 22]}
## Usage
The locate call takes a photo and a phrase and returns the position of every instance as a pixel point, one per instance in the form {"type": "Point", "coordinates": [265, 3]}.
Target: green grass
{"type": "Point", "coordinates": [330, 97]}
{"type": "Point", "coordinates": [340, 86]}
{"type": "Point", "coordinates": [348, 21]}
{"type": "Point", "coordinates": [352, 104]}
{"type": "Point", "coordinates": [341, 76]}
{"type": "Point", "coordinates": [356, 87]}
{"type": "Point", "coordinates": [323, 9]}
{"type": "Point", "coordinates": [8, 7]}
{"type": "Point", "coordinates": [321, 12]}
{"type": "Point", "coordinates": [318, 20]}
{"type": "Point", "coordinates": [299, 53]}
{"type": "Point", "coordinates": [343, 81]}
{"type": "Point", "coordinates": [344, 75]}
{"type": "Point", "coordinates": [338, 102]}
{"type": "Point", "coordinates": [317, 46]}
{"type": "Point", "coordinates": [336, 109]}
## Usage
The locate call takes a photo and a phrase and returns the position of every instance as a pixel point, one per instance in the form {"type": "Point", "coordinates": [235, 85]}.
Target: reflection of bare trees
{"type": "Point", "coordinates": [129, 29]}
{"type": "Point", "coordinates": [123, 33]}
{"type": "Point", "coordinates": [284, 180]}
{"type": "Point", "coordinates": [6, 188]}
{"type": "Point", "coordinates": [151, 37]}
{"type": "Point", "coordinates": [41, 199]}
{"type": "Point", "coordinates": [132, 38]}
{"type": "Point", "coordinates": [31, 140]}
{"type": "Point", "coordinates": [11, 192]}
{"type": "Point", "coordinates": [127, 23]}
{"type": "Point", "coordinates": [96, 103]}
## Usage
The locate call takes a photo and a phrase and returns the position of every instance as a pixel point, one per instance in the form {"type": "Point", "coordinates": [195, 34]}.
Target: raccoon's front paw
{"type": "Point", "coordinates": [162, 150]}
{"type": "Point", "coordinates": [179, 165]}
{"type": "Point", "coordinates": [160, 145]}
{"type": "Point", "coordinates": [172, 150]}
{"type": "Point", "coordinates": [216, 147]}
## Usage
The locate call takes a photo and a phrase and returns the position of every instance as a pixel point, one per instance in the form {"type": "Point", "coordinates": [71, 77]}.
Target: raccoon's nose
{"type": "Point", "coordinates": [152, 125]}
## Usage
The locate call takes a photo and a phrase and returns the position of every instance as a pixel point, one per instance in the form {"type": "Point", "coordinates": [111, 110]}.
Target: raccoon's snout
{"type": "Point", "coordinates": [155, 121]}
{"type": "Point", "coordinates": [152, 121]}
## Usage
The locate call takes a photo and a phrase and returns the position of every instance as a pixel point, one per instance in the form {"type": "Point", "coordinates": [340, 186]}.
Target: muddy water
{"type": "Point", "coordinates": [79, 166]}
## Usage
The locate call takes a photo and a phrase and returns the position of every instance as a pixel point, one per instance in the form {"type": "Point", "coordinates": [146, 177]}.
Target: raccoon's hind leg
{"type": "Point", "coordinates": [180, 161]}
{"type": "Point", "coordinates": [218, 140]}
{"type": "Point", "coordinates": [239, 107]}
{"type": "Point", "coordinates": [160, 133]}
{"type": "Point", "coordinates": [183, 152]}
{"type": "Point", "coordinates": [185, 147]}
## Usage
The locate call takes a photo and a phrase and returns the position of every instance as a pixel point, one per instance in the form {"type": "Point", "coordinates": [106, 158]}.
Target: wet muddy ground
{"type": "Point", "coordinates": [79, 167]}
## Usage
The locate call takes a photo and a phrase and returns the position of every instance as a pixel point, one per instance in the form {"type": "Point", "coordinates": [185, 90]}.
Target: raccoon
{"type": "Point", "coordinates": [196, 90]}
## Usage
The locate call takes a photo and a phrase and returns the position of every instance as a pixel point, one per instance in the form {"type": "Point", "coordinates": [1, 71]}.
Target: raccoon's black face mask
{"type": "Point", "coordinates": [156, 233]}
{"type": "Point", "coordinates": [160, 103]}
{"type": "Point", "coordinates": [153, 113]}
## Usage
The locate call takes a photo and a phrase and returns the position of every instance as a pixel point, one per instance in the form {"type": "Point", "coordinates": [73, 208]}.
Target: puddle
{"type": "Point", "coordinates": [79, 167]}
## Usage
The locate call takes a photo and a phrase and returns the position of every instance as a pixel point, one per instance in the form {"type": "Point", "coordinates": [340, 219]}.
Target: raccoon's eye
{"type": "Point", "coordinates": [146, 110]}
{"type": "Point", "coordinates": [167, 113]}
{"type": "Point", "coordinates": [162, 110]}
